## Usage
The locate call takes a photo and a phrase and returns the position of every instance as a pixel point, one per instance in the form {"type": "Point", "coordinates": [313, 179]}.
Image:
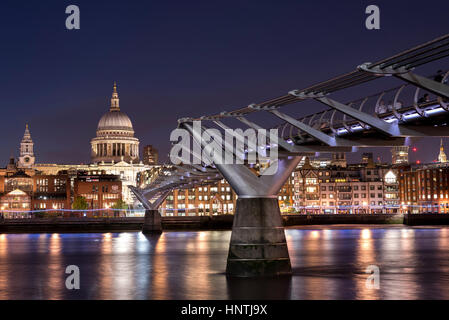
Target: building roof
{"type": "Point", "coordinates": [19, 174]}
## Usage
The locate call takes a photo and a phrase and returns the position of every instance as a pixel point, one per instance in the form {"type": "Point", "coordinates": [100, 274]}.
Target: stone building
{"type": "Point", "coordinates": [26, 158]}
{"type": "Point", "coordinates": [442, 158]}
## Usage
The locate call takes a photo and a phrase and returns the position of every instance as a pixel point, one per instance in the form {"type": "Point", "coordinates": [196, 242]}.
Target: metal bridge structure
{"type": "Point", "coordinates": [419, 107]}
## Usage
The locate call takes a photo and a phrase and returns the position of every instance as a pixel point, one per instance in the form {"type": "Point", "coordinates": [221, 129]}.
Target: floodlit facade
{"type": "Point", "coordinates": [355, 189]}
{"type": "Point", "coordinates": [115, 139]}
{"type": "Point", "coordinates": [399, 155]}
{"type": "Point", "coordinates": [425, 189]}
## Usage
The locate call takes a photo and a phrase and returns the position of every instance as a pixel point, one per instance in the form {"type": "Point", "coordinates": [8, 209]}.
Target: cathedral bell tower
{"type": "Point", "coordinates": [442, 155]}
{"type": "Point", "coordinates": [26, 159]}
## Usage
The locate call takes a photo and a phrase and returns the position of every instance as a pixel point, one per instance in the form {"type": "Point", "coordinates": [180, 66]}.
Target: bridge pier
{"type": "Point", "coordinates": [152, 222]}
{"type": "Point", "coordinates": [258, 246]}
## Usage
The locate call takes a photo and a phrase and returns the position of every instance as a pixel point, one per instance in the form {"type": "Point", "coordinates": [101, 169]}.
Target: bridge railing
{"type": "Point", "coordinates": [398, 103]}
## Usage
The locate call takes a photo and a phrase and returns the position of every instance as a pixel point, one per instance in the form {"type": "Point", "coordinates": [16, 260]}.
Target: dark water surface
{"type": "Point", "coordinates": [328, 262]}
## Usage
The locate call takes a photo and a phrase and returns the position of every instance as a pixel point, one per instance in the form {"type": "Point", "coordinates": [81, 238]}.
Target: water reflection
{"type": "Point", "coordinates": [328, 263]}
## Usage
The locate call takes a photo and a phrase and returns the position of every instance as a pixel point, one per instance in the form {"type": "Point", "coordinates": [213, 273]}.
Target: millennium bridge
{"type": "Point", "coordinates": [419, 107]}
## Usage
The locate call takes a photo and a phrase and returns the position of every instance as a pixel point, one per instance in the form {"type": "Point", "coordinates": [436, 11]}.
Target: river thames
{"type": "Point", "coordinates": [329, 262]}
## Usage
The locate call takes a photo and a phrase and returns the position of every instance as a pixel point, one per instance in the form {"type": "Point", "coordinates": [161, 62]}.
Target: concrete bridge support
{"type": "Point", "coordinates": [258, 246]}
{"type": "Point", "coordinates": [153, 222]}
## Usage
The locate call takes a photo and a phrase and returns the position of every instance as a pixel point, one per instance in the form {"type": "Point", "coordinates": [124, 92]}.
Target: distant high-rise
{"type": "Point", "coordinates": [367, 157]}
{"type": "Point", "coordinates": [399, 155]}
{"type": "Point", "coordinates": [150, 155]}
{"type": "Point", "coordinates": [442, 155]}
{"type": "Point", "coordinates": [339, 159]}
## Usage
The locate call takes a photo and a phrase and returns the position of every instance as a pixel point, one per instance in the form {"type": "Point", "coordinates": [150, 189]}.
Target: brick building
{"type": "Point", "coordinates": [101, 191]}
{"type": "Point", "coordinates": [425, 189]}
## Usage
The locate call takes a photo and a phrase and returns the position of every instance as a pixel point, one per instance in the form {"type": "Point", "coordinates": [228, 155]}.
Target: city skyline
{"type": "Point", "coordinates": [204, 153]}
{"type": "Point", "coordinates": [414, 153]}
{"type": "Point", "coordinates": [167, 67]}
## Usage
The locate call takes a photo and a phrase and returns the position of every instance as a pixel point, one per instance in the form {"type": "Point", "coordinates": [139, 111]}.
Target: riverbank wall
{"type": "Point", "coordinates": [427, 219]}
{"type": "Point", "coordinates": [221, 222]}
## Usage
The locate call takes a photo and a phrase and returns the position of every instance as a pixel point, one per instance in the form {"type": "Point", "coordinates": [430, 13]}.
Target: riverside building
{"type": "Point", "coordinates": [355, 189]}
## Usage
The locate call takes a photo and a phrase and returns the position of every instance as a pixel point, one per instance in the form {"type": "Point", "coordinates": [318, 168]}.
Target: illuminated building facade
{"type": "Point", "coordinates": [150, 155]}
{"type": "Point", "coordinates": [355, 189]}
{"type": "Point", "coordinates": [399, 155]}
{"type": "Point", "coordinates": [425, 189]}
{"type": "Point", "coordinates": [26, 158]}
{"type": "Point", "coordinates": [22, 191]}
{"type": "Point", "coordinates": [127, 173]}
{"type": "Point", "coordinates": [115, 139]}
{"type": "Point", "coordinates": [100, 190]}
{"type": "Point", "coordinates": [442, 158]}
{"type": "Point", "coordinates": [212, 199]}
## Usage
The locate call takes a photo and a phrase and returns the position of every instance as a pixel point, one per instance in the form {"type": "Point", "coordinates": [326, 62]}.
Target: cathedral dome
{"type": "Point", "coordinates": [115, 139]}
{"type": "Point", "coordinates": [115, 120]}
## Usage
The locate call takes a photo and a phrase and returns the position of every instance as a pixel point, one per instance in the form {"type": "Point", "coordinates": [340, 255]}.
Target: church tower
{"type": "Point", "coordinates": [26, 158]}
{"type": "Point", "coordinates": [442, 156]}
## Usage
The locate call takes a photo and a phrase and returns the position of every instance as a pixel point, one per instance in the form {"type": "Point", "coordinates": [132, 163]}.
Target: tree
{"type": "Point", "coordinates": [120, 204]}
{"type": "Point", "coordinates": [80, 203]}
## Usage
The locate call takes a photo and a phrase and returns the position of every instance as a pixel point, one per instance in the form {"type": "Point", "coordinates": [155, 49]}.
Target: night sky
{"type": "Point", "coordinates": [173, 59]}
